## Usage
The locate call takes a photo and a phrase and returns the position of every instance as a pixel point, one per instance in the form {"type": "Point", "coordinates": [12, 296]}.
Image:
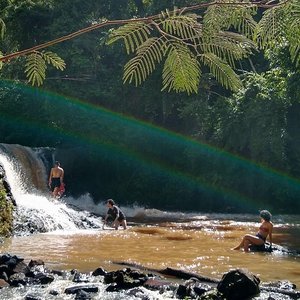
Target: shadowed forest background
{"type": "Point", "coordinates": [213, 151]}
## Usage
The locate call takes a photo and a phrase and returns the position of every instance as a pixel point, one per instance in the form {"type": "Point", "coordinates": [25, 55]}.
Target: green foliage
{"type": "Point", "coordinates": [222, 71]}
{"type": "Point", "coordinates": [6, 213]}
{"type": "Point", "coordinates": [181, 70]}
{"type": "Point", "coordinates": [280, 25]}
{"type": "Point", "coordinates": [2, 28]}
{"type": "Point", "coordinates": [224, 17]}
{"type": "Point", "coordinates": [180, 40]}
{"type": "Point", "coordinates": [133, 34]}
{"type": "Point", "coordinates": [143, 64]}
{"type": "Point", "coordinates": [36, 66]}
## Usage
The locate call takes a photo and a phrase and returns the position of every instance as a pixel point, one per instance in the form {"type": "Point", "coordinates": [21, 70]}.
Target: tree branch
{"type": "Point", "coordinates": [262, 4]}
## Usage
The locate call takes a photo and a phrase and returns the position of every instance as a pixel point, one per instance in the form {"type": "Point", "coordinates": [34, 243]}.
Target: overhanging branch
{"type": "Point", "coordinates": [266, 4]}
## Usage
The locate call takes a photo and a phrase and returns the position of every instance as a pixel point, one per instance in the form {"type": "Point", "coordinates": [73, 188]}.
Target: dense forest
{"type": "Point", "coordinates": [214, 150]}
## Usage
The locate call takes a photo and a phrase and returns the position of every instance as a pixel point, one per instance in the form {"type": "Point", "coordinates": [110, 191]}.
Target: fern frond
{"type": "Point", "coordinates": [183, 26]}
{"type": "Point", "coordinates": [223, 17]}
{"type": "Point", "coordinates": [133, 34]}
{"type": "Point", "coordinates": [54, 60]}
{"type": "Point", "coordinates": [213, 18]}
{"type": "Point", "coordinates": [224, 74]}
{"type": "Point", "coordinates": [293, 32]}
{"type": "Point", "coordinates": [2, 28]}
{"type": "Point", "coordinates": [1, 63]}
{"type": "Point", "coordinates": [241, 19]}
{"type": "Point", "coordinates": [271, 28]}
{"type": "Point", "coordinates": [35, 68]}
{"type": "Point", "coordinates": [143, 64]}
{"type": "Point", "coordinates": [229, 46]}
{"type": "Point", "coordinates": [181, 70]}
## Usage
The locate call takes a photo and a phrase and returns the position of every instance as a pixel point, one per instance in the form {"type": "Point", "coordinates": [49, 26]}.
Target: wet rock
{"type": "Point", "coordinates": [33, 297]}
{"type": "Point", "coordinates": [54, 292]}
{"type": "Point", "coordinates": [274, 248]}
{"type": "Point", "coordinates": [37, 262]}
{"type": "Point", "coordinates": [58, 273]}
{"type": "Point", "coordinates": [85, 288]}
{"type": "Point", "coordinates": [43, 278]}
{"type": "Point", "coordinates": [99, 272]}
{"type": "Point", "coordinates": [17, 279]}
{"type": "Point", "coordinates": [192, 288]}
{"type": "Point", "coordinates": [82, 295]}
{"type": "Point", "coordinates": [124, 279]}
{"type": "Point", "coordinates": [281, 288]}
{"type": "Point", "coordinates": [79, 277]}
{"type": "Point", "coordinates": [137, 293]}
{"type": "Point", "coordinates": [3, 283]}
{"type": "Point", "coordinates": [159, 284]}
{"type": "Point", "coordinates": [238, 284]}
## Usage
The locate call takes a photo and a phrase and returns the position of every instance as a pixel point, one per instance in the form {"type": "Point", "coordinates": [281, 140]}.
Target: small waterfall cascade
{"type": "Point", "coordinates": [36, 210]}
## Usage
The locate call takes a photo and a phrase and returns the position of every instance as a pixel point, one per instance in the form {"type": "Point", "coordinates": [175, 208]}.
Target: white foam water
{"type": "Point", "coordinates": [39, 211]}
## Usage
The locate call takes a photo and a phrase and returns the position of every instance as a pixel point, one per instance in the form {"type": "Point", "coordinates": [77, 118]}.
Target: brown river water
{"type": "Point", "coordinates": [199, 246]}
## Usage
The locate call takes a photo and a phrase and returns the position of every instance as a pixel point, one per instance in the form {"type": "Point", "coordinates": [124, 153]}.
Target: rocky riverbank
{"type": "Point", "coordinates": [34, 281]}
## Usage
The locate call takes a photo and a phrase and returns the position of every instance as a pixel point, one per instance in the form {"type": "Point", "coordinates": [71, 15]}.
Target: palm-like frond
{"type": "Point", "coordinates": [229, 46]}
{"type": "Point", "coordinates": [221, 17]}
{"type": "Point", "coordinates": [54, 60]}
{"type": "Point", "coordinates": [143, 64]}
{"type": "Point", "coordinates": [181, 70]}
{"type": "Point", "coordinates": [1, 63]}
{"type": "Point", "coordinates": [241, 19]}
{"type": "Point", "coordinates": [293, 31]}
{"type": "Point", "coordinates": [221, 71]}
{"type": "Point", "coordinates": [272, 27]}
{"type": "Point", "coordinates": [133, 34]}
{"type": "Point", "coordinates": [35, 68]}
{"type": "Point", "coordinates": [183, 26]}
{"type": "Point", "coordinates": [2, 28]}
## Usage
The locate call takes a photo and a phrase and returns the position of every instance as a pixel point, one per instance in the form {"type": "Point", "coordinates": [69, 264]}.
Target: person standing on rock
{"type": "Point", "coordinates": [116, 213]}
{"type": "Point", "coordinates": [56, 178]}
{"type": "Point", "coordinates": [265, 230]}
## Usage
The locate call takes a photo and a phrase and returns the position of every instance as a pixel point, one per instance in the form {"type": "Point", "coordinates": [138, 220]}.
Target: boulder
{"type": "Point", "coordinates": [238, 284]}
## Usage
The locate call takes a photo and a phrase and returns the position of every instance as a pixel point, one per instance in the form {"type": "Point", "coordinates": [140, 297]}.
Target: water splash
{"type": "Point", "coordinates": [37, 211]}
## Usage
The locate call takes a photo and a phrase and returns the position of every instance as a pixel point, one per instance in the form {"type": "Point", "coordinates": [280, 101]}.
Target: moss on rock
{"type": "Point", "coordinates": [6, 207]}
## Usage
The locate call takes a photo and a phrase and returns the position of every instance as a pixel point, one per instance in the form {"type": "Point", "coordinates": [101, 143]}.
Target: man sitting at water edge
{"type": "Point", "coordinates": [265, 230]}
{"type": "Point", "coordinates": [56, 178]}
{"type": "Point", "coordinates": [116, 213]}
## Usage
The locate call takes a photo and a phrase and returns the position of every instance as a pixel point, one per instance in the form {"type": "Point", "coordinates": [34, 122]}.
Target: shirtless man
{"type": "Point", "coordinates": [56, 178]}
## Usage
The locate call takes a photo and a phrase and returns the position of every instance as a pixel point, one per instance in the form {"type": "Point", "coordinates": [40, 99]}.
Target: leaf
{"type": "Point", "coordinates": [293, 32]}
{"type": "Point", "coordinates": [181, 70]}
{"type": "Point", "coordinates": [133, 34]}
{"type": "Point", "coordinates": [229, 46]}
{"type": "Point", "coordinates": [143, 64]}
{"type": "Point", "coordinates": [182, 26]}
{"type": "Point", "coordinates": [2, 28]}
{"type": "Point", "coordinates": [1, 63]}
{"type": "Point", "coordinates": [35, 68]}
{"type": "Point", "coordinates": [271, 28]}
{"type": "Point", "coordinates": [54, 60]}
{"type": "Point", "coordinates": [224, 74]}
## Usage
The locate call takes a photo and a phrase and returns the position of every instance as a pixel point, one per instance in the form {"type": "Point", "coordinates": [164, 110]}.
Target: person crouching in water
{"type": "Point", "coordinates": [116, 213]}
{"type": "Point", "coordinates": [265, 230]}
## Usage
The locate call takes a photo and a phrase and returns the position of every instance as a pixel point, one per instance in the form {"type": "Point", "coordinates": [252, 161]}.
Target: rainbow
{"type": "Point", "coordinates": [145, 158]}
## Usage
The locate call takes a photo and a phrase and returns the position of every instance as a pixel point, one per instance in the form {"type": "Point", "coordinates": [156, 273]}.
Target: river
{"type": "Point", "coordinates": [192, 241]}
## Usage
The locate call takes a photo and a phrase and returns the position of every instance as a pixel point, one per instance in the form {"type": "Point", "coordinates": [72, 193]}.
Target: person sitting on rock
{"type": "Point", "coordinates": [265, 230]}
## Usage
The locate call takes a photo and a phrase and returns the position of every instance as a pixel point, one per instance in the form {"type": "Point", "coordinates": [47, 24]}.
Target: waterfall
{"type": "Point", "coordinates": [36, 210]}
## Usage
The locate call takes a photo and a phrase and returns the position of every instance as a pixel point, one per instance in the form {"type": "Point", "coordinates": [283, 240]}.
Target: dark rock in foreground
{"type": "Point", "coordinates": [235, 285]}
